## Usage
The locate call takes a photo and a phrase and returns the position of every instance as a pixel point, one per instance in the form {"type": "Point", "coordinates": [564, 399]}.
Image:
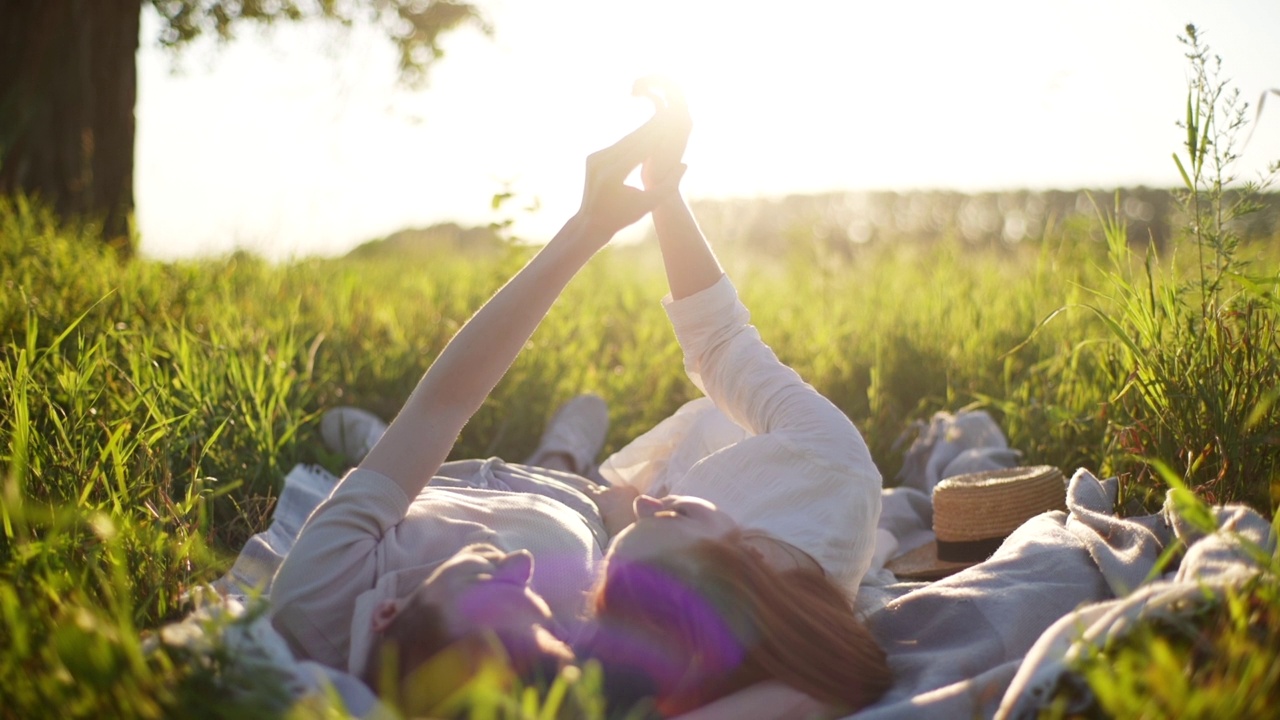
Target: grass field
{"type": "Point", "coordinates": [148, 411]}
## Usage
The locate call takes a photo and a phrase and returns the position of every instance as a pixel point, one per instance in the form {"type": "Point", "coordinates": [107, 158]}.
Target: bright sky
{"type": "Point", "coordinates": [298, 141]}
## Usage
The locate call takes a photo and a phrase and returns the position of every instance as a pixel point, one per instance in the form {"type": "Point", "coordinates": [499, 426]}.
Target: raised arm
{"type": "Point", "coordinates": [420, 437]}
{"type": "Point", "coordinates": [723, 352]}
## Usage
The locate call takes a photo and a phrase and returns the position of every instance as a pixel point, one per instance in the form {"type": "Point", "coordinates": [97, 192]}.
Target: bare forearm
{"type": "Point", "coordinates": [453, 388]}
{"type": "Point", "coordinates": [486, 346]}
{"type": "Point", "coordinates": [471, 365]}
{"type": "Point", "coordinates": [690, 264]}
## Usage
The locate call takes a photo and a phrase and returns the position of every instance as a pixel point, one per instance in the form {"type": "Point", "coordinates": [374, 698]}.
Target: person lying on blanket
{"type": "Point", "coordinates": [735, 568]}
{"type": "Point", "coordinates": [757, 525]}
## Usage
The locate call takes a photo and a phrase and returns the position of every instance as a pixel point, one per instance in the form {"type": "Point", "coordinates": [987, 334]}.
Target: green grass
{"type": "Point", "coordinates": [148, 411]}
{"type": "Point", "coordinates": [1216, 659]}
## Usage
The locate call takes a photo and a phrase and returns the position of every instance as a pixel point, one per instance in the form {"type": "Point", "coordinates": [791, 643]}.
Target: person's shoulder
{"type": "Point", "coordinates": [366, 493]}
{"type": "Point", "coordinates": [362, 481]}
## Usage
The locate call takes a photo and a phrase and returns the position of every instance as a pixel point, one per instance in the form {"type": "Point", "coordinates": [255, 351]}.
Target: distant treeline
{"type": "Point", "coordinates": [445, 238]}
{"type": "Point", "coordinates": [840, 221]}
{"type": "Point", "coordinates": [852, 218]}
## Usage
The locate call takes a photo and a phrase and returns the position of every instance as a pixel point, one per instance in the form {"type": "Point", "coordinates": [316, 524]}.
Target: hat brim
{"type": "Point", "coordinates": [922, 563]}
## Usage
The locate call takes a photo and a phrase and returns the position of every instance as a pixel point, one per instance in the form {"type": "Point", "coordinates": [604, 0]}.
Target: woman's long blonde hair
{"type": "Point", "coordinates": [716, 619]}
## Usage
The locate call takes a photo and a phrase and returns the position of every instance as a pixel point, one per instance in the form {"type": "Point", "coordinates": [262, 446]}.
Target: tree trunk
{"type": "Point", "coordinates": [68, 83]}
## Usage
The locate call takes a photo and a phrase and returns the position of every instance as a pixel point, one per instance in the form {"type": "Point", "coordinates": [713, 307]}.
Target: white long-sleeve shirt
{"type": "Point", "coordinates": [764, 446]}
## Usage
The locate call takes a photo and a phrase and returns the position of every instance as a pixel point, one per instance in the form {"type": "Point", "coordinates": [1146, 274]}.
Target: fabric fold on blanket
{"type": "Point", "coordinates": [305, 487]}
{"type": "Point", "coordinates": [236, 635]}
{"type": "Point", "coordinates": [968, 441]}
{"type": "Point", "coordinates": [996, 640]}
{"type": "Point", "coordinates": [249, 583]}
{"type": "Point", "coordinates": [1125, 550]}
{"type": "Point", "coordinates": [1217, 560]}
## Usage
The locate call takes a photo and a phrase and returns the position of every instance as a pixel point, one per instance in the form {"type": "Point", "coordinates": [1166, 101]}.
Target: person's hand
{"type": "Point", "coordinates": [616, 505]}
{"type": "Point", "coordinates": [668, 153]}
{"type": "Point", "coordinates": [608, 203]}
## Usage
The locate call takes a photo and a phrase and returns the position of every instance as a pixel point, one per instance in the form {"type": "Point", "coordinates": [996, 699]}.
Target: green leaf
{"type": "Point", "coordinates": [1186, 180]}
{"type": "Point", "coordinates": [1185, 503]}
{"type": "Point", "coordinates": [1191, 127]}
{"type": "Point", "coordinates": [1117, 331]}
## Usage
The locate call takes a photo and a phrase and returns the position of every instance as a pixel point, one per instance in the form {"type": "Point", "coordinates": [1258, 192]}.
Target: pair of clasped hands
{"type": "Point", "coordinates": [657, 147]}
{"type": "Point", "coordinates": [609, 204]}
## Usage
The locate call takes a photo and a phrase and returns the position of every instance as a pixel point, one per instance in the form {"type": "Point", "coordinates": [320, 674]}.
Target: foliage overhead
{"type": "Point", "coordinates": [415, 26]}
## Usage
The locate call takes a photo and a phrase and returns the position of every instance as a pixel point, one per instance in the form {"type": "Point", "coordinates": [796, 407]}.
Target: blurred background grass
{"type": "Point", "coordinates": [150, 410]}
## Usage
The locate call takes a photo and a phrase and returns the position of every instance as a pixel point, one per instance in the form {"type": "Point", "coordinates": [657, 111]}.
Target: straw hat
{"type": "Point", "coordinates": [975, 512]}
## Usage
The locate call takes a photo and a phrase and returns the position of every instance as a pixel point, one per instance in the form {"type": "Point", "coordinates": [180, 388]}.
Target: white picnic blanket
{"type": "Point", "coordinates": [991, 641]}
{"type": "Point", "coordinates": [243, 627]}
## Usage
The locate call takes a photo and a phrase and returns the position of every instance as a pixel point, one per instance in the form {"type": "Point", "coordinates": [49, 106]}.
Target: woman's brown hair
{"type": "Point", "coordinates": [717, 619]}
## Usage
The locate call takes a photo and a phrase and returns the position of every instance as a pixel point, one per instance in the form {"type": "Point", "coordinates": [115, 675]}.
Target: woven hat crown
{"type": "Point", "coordinates": [990, 505]}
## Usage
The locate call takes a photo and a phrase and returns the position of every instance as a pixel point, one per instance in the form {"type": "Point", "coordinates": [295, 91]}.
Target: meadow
{"type": "Point", "coordinates": [148, 411]}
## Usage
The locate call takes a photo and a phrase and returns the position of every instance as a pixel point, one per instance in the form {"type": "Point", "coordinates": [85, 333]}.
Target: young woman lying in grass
{"type": "Point", "coordinates": [729, 579]}
{"type": "Point", "coordinates": [735, 568]}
